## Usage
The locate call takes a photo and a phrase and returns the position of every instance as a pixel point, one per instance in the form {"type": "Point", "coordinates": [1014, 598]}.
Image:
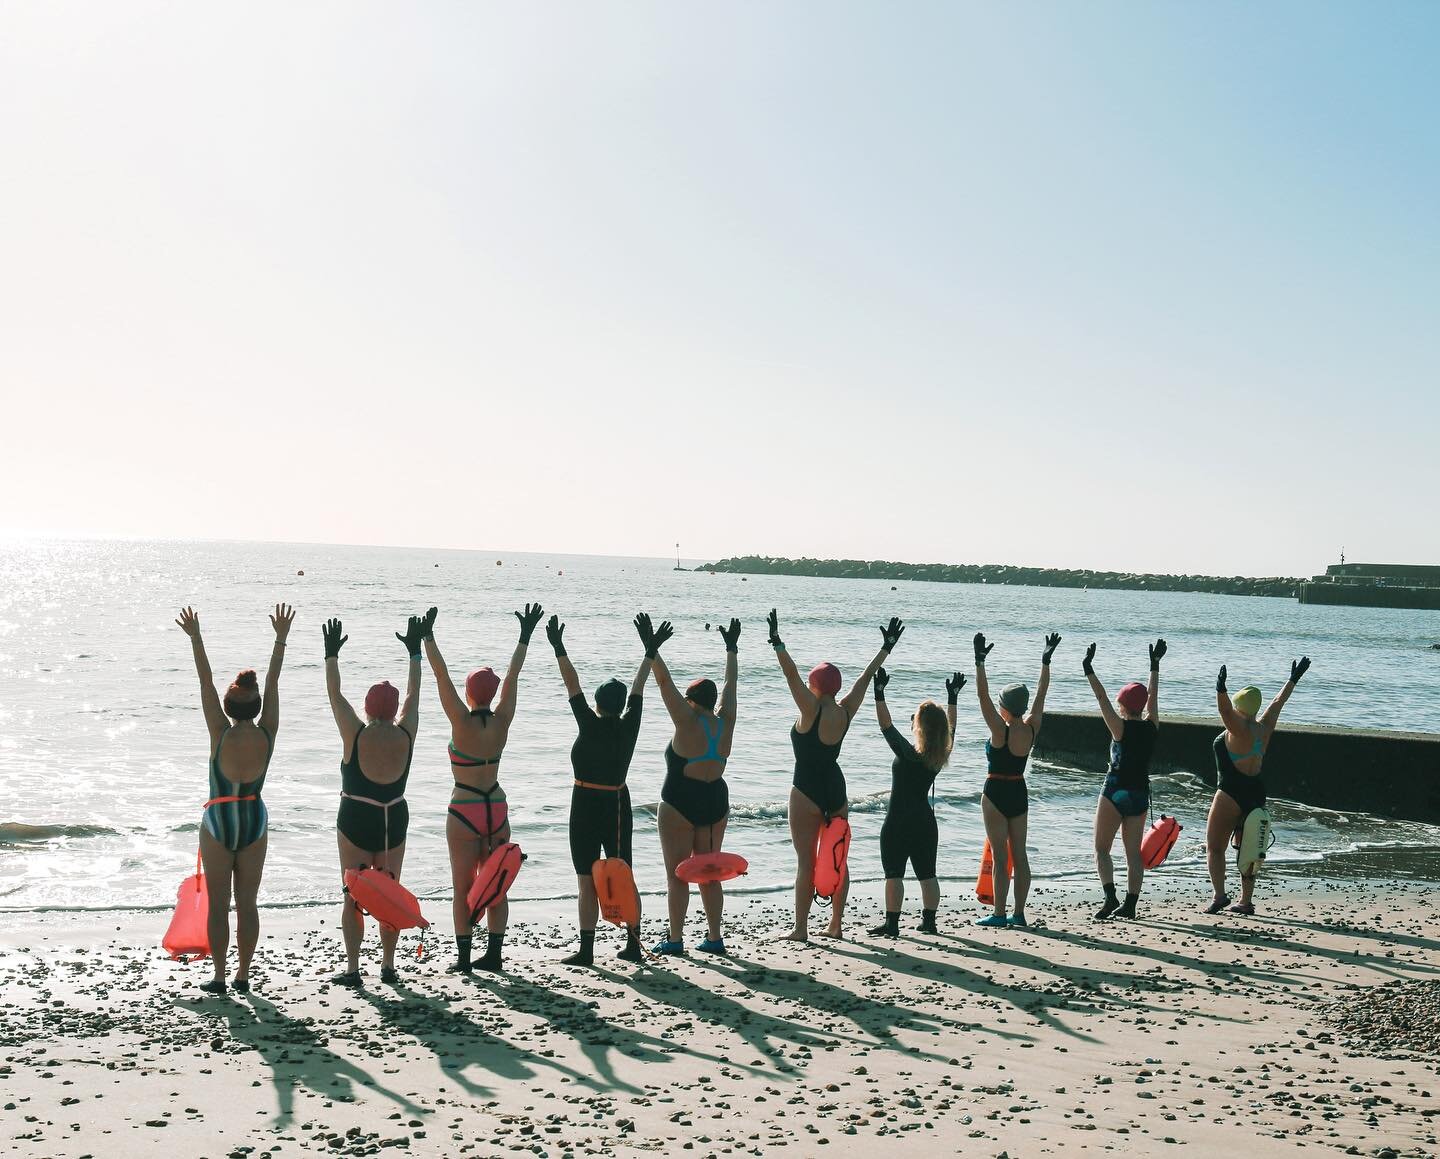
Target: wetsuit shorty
{"type": "Point", "coordinates": [484, 818]}
{"type": "Point", "coordinates": [699, 802]}
{"type": "Point", "coordinates": [235, 815]}
{"type": "Point", "coordinates": [600, 802]}
{"type": "Point", "coordinates": [1246, 790]}
{"type": "Point", "coordinates": [373, 816]}
{"type": "Point", "coordinates": [909, 833]}
{"type": "Point", "coordinates": [1127, 784]}
{"type": "Point", "coordinates": [1005, 785]}
{"type": "Point", "coordinates": [817, 768]}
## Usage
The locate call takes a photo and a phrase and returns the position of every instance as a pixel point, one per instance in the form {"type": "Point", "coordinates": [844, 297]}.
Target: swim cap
{"type": "Point", "coordinates": [480, 686]}
{"type": "Point", "coordinates": [382, 702]}
{"type": "Point", "coordinates": [1015, 698]}
{"type": "Point", "coordinates": [242, 699]}
{"type": "Point", "coordinates": [825, 679]}
{"type": "Point", "coordinates": [702, 692]}
{"type": "Point", "coordinates": [1133, 698]}
{"type": "Point", "coordinates": [610, 697]}
{"type": "Point", "coordinates": [1247, 700]}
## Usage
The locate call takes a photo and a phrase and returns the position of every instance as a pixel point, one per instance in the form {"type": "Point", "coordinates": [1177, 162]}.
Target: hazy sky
{"type": "Point", "coordinates": [1145, 285]}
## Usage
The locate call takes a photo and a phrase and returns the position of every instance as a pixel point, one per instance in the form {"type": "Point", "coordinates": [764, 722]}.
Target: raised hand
{"type": "Point", "coordinates": [773, 619]}
{"type": "Point", "coordinates": [982, 649]}
{"type": "Point", "coordinates": [1298, 668]}
{"type": "Point", "coordinates": [282, 619]}
{"type": "Point", "coordinates": [1087, 665]}
{"type": "Point", "coordinates": [1052, 641]}
{"type": "Point", "coordinates": [731, 635]}
{"type": "Point", "coordinates": [189, 623]}
{"type": "Point", "coordinates": [882, 678]}
{"type": "Point", "coordinates": [892, 633]}
{"type": "Point", "coordinates": [1157, 653]}
{"type": "Point", "coordinates": [427, 624]}
{"type": "Point", "coordinates": [334, 641]}
{"type": "Point", "coordinates": [414, 630]}
{"type": "Point", "coordinates": [662, 633]}
{"type": "Point", "coordinates": [555, 633]}
{"type": "Point", "coordinates": [1220, 680]}
{"type": "Point", "coordinates": [528, 619]}
{"type": "Point", "coordinates": [954, 685]}
{"type": "Point", "coordinates": [646, 631]}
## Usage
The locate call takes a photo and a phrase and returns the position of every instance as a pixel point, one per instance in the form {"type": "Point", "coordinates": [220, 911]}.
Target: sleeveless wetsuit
{"type": "Point", "coordinates": [373, 816]}
{"type": "Point", "coordinates": [484, 818]}
{"type": "Point", "coordinates": [1246, 790]}
{"type": "Point", "coordinates": [1127, 784]}
{"type": "Point", "coordinates": [817, 768]}
{"type": "Point", "coordinates": [1005, 785]}
{"type": "Point", "coordinates": [600, 801]}
{"type": "Point", "coordinates": [699, 802]}
{"type": "Point", "coordinates": [909, 833]}
{"type": "Point", "coordinates": [235, 815]}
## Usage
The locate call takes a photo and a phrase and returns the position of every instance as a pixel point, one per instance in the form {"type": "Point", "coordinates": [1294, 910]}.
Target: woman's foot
{"type": "Point", "coordinates": [1111, 904]}
{"type": "Point", "coordinates": [998, 921]}
{"type": "Point", "coordinates": [669, 948]}
{"type": "Point", "coordinates": [833, 931]}
{"type": "Point", "coordinates": [214, 986]}
{"type": "Point", "coordinates": [712, 946]}
{"type": "Point", "coordinates": [1220, 902]}
{"type": "Point", "coordinates": [1128, 909]}
{"type": "Point", "coordinates": [350, 978]}
{"type": "Point", "coordinates": [240, 985]}
{"type": "Point", "coordinates": [1243, 908]}
{"type": "Point", "coordinates": [1016, 919]}
{"type": "Point", "coordinates": [389, 975]}
{"type": "Point", "coordinates": [797, 935]}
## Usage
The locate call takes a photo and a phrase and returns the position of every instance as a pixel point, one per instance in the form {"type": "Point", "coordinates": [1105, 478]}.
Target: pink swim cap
{"type": "Point", "coordinates": [382, 702]}
{"type": "Point", "coordinates": [480, 686]}
{"type": "Point", "coordinates": [825, 679]}
{"type": "Point", "coordinates": [1133, 697]}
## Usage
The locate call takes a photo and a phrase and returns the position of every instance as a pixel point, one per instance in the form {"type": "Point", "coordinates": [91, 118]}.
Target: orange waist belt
{"type": "Point", "coordinates": [603, 788]}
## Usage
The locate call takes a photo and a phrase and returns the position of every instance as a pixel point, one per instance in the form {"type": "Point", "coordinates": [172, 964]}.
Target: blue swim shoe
{"type": "Point", "coordinates": [1017, 920]}
{"type": "Point", "coordinates": [997, 920]}
{"type": "Point", "coordinates": [674, 949]}
{"type": "Point", "coordinates": [712, 946]}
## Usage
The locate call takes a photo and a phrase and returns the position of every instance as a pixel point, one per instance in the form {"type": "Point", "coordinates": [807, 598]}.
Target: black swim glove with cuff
{"type": "Point", "coordinates": [528, 619]}
{"type": "Point", "coordinates": [982, 649]}
{"type": "Point", "coordinates": [954, 685]}
{"type": "Point", "coordinates": [1087, 665]}
{"type": "Point", "coordinates": [555, 633]}
{"type": "Point", "coordinates": [1052, 641]}
{"type": "Point", "coordinates": [882, 678]}
{"type": "Point", "coordinates": [773, 619]}
{"type": "Point", "coordinates": [1157, 653]}
{"type": "Point", "coordinates": [731, 636]}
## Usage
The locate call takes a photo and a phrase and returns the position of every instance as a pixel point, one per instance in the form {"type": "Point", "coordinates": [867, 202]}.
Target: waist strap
{"type": "Point", "coordinates": [603, 788]}
{"type": "Point", "coordinates": [229, 800]}
{"type": "Point", "coordinates": [1004, 776]}
{"type": "Point", "coordinates": [370, 800]}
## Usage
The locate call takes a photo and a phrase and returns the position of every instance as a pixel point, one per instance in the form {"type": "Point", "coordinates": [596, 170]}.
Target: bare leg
{"type": "Point", "coordinates": [712, 893]}
{"type": "Point", "coordinates": [929, 893]}
{"type": "Point", "coordinates": [1020, 854]}
{"type": "Point", "coordinates": [219, 864]}
{"type": "Point", "coordinates": [351, 857]}
{"type": "Point", "coordinates": [249, 865]}
{"type": "Point", "coordinates": [997, 829]}
{"type": "Point", "coordinates": [805, 822]}
{"type": "Point", "coordinates": [1132, 834]}
{"type": "Point", "coordinates": [589, 903]}
{"type": "Point", "coordinates": [1107, 823]}
{"type": "Point", "coordinates": [677, 842]}
{"type": "Point", "coordinates": [467, 851]}
{"type": "Point", "coordinates": [894, 894]}
{"type": "Point", "coordinates": [391, 860]}
{"type": "Point", "coordinates": [837, 908]}
{"type": "Point", "coordinates": [1224, 816]}
{"type": "Point", "coordinates": [1247, 889]}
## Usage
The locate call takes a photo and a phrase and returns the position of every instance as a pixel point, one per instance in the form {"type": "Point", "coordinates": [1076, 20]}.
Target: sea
{"type": "Point", "coordinates": [103, 749]}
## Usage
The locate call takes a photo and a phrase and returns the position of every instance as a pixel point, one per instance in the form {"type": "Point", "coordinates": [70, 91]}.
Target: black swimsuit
{"type": "Point", "coordinates": [817, 768]}
{"type": "Point", "coordinates": [909, 833]}
{"type": "Point", "coordinates": [699, 802]}
{"type": "Point", "coordinates": [1005, 786]}
{"type": "Point", "coordinates": [1127, 784]}
{"type": "Point", "coordinates": [1245, 789]}
{"type": "Point", "coordinates": [600, 815]}
{"type": "Point", "coordinates": [373, 816]}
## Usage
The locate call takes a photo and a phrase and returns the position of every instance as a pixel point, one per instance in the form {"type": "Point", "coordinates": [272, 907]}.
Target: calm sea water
{"type": "Point", "coordinates": [103, 748]}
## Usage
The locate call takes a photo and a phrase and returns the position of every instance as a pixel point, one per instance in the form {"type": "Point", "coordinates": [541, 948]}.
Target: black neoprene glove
{"type": "Point", "coordinates": [891, 633]}
{"type": "Point", "coordinates": [646, 632]}
{"type": "Point", "coordinates": [528, 619]}
{"type": "Point", "coordinates": [1298, 668]}
{"type": "Point", "coordinates": [1052, 641]}
{"type": "Point", "coordinates": [334, 641]}
{"type": "Point", "coordinates": [1220, 680]}
{"type": "Point", "coordinates": [954, 685]}
{"type": "Point", "coordinates": [427, 624]}
{"type": "Point", "coordinates": [662, 633]}
{"type": "Point", "coordinates": [1087, 665]}
{"type": "Point", "coordinates": [982, 649]}
{"type": "Point", "coordinates": [411, 637]}
{"type": "Point", "coordinates": [773, 619]}
{"type": "Point", "coordinates": [1157, 653]}
{"type": "Point", "coordinates": [882, 678]}
{"type": "Point", "coordinates": [731, 636]}
{"type": "Point", "coordinates": [555, 633]}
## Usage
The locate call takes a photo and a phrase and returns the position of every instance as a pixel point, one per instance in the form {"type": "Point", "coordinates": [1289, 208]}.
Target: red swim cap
{"type": "Point", "coordinates": [382, 702]}
{"type": "Point", "coordinates": [480, 686]}
{"type": "Point", "coordinates": [825, 679]}
{"type": "Point", "coordinates": [1133, 698]}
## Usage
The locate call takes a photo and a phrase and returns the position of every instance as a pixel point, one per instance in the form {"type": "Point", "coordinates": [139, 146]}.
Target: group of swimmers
{"type": "Point", "coordinates": [376, 752]}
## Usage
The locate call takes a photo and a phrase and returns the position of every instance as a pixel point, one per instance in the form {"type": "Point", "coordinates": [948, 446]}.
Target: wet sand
{"type": "Point", "coordinates": [1253, 1035]}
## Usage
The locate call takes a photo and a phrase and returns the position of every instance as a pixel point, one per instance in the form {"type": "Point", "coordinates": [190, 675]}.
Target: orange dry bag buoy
{"type": "Point", "coordinates": [985, 883]}
{"type": "Point", "coordinates": [615, 889]}
{"type": "Point", "coordinates": [189, 935]}
{"type": "Point", "coordinates": [832, 847]}
{"type": "Point", "coordinates": [378, 894]}
{"type": "Point", "coordinates": [702, 868]}
{"type": "Point", "coordinates": [494, 878]}
{"type": "Point", "coordinates": [1159, 839]}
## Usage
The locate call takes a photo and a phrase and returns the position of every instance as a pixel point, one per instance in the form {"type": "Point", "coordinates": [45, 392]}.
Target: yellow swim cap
{"type": "Point", "coordinates": [1247, 700]}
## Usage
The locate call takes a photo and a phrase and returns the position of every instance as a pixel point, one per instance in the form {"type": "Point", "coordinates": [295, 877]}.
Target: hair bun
{"type": "Point", "coordinates": [247, 679]}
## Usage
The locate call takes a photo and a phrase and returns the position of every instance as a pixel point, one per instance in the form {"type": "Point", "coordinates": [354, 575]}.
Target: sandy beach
{"type": "Point", "coordinates": [1176, 1030]}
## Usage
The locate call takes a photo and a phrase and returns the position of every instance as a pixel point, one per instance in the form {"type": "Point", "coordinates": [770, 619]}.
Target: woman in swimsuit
{"type": "Point", "coordinates": [818, 790]}
{"type": "Point", "coordinates": [1239, 751]}
{"type": "Point", "coordinates": [233, 830]}
{"type": "Point", "coordinates": [1005, 802]}
{"type": "Point", "coordinates": [1125, 798]}
{"type": "Point", "coordinates": [370, 827]}
{"type": "Point", "coordinates": [478, 820]}
{"type": "Point", "coordinates": [695, 800]}
{"type": "Point", "coordinates": [910, 833]}
{"type": "Point", "coordinates": [600, 818]}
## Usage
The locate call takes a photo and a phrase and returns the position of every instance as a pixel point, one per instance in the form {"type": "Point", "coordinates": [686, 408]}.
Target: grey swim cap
{"type": "Point", "coordinates": [1015, 698]}
{"type": "Point", "coordinates": [610, 697]}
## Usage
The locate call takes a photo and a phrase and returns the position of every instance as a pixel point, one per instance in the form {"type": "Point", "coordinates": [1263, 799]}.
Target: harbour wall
{"type": "Point", "coordinates": [1392, 774]}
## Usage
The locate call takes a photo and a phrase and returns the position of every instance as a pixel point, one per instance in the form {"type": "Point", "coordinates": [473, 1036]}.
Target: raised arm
{"type": "Point", "coordinates": [345, 719]}
{"type": "Point", "coordinates": [410, 706]}
{"type": "Point", "coordinates": [952, 695]}
{"type": "Point", "coordinates": [803, 697]}
{"type": "Point", "coordinates": [728, 693]}
{"type": "Point", "coordinates": [270, 712]}
{"type": "Point", "coordinates": [450, 700]}
{"type": "Point", "coordinates": [1298, 668]}
{"type": "Point", "coordinates": [982, 692]}
{"type": "Point", "coordinates": [890, 636]}
{"type": "Point", "coordinates": [215, 719]}
{"type": "Point", "coordinates": [882, 710]}
{"type": "Point", "coordinates": [1037, 706]}
{"type": "Point", "coordinates": [510, 688]}
{"type": "Point", "coordinates": [651, 638]}
{"type": "Point", "coordinates": [1111, 717]}
{"type": "Point", "coordinates": [1152, 702]}
{"type": "Point", "coordinates": [1228, 716]}
{"type": "Point", "coordinates": [555, 633]}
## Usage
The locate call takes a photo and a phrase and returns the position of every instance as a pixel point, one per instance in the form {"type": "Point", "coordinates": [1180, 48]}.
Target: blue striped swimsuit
{"type": "Point", "coordinates": [237, 824]}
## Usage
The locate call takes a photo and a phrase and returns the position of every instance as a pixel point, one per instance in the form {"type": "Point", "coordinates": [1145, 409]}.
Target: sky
{"type": "Point", "coordinates": [1142, 286]}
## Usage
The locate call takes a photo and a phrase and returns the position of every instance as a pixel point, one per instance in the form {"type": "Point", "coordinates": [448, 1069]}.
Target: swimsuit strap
{"type": "Point", "coordinates": [384, 807]}
{"type": "Point", "coordinates": [468, 761]}
{"type": "Point", "coordinates": [486, 793]}
{"type": "Point", "coordinates": [712, 743]}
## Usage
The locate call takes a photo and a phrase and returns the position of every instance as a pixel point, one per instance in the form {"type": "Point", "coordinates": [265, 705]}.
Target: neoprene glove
{"type": "Point", "coordinates": [427, 624]}
{"type": "Point", "coordinates": [1298, 669]}
{"type": "Point", "coordinates": [528, 619]}
{"type": "Point", "coordinates": [773, 619]}
{"type": "Point", "coordinates": [1087, 665]}
{"type": "Point", "coordinates": [954, 685]}
{"type": "Point", "coordinates": [646, 632]}
{"type": "Point", "coordinates": [1220, 680]}
{"type": "Point", "coordinates": [1052, 641]}
{"type": "Point", "coordinates": [1157, 653]}
{"type": "Point", "coordinates": [555, 633]}
{"type": "Point", "coordinates": [882, 678]}
{"type": "Point", "coordinates": [982, 649]}
{"type": "Point", "coordinates": [662, 633]}
{"type": "Point", "coordinates": [891, 633]}
{"type": "Point", "coordinates": [414, 629]}
{"type": "Point", "coordinates": [731, 636]}
{"type": "Point", "coordinates": [334, 641]}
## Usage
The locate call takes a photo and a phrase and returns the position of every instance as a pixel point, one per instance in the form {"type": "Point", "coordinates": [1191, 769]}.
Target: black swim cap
{"type": "Point", "coordinates": [610, 697]}
{"type": "Point", "coordinates": [703, 693]}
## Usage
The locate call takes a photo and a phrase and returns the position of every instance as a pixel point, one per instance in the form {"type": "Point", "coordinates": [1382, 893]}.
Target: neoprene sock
{"type": "Point", "coordinates": [927, 922]}
{"type": "Point", "coordinates": [493, 947]}
{"type": "Point", "coordinates": [632, 951]}
{"type": "Point", "coordinates": [462, 952]}
{"type": "Point", "coordinates": [1128, 909]}
{"type": "Point", "coordinates": [1112, 903]}
{"type": "Point", "coordinates": [891, 928]}
{"type": "Point", "coordinates": [586, 956]}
